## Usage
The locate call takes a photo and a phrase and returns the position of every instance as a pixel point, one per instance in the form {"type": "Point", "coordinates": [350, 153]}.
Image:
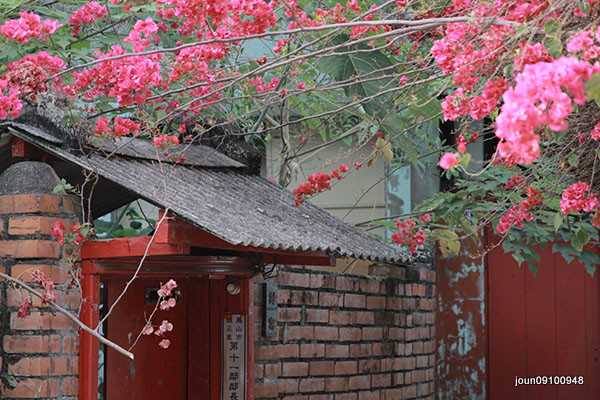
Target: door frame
{"type": "Point", "coordinates": [241, 269]}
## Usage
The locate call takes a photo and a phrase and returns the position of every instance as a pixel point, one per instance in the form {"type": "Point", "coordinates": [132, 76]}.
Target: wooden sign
{"type": "Point", "coordinates": [234, 357]}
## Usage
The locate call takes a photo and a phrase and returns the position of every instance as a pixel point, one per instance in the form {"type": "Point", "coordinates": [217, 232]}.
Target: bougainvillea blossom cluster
{"type": "Point", "coordinates": [576, 198]}
{"type": "Point", "coordinates": [29, 25]}
{"type": "Point", "coordinates": [408, 235]}
{"type": "Point", "coordinates": [318, 182]}
{"type": "Point", "coordinates": [167, 300]}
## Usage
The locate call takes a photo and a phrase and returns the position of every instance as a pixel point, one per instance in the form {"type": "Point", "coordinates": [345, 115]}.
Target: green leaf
{"type": "Point", "coordinates": [582, 237]}
{"type": "Point", "coordinates": [552, 27]}
{"type": "Point", "coordinates": [558, 221]}
{"type": "Point", "coordinates": [554, 46]}
{"type": "Point", "coordinates": [573, 160]}
{"type": "Point", "coordinates": [592, 87]}
{"type": "Point", "coordinates": [347, 66]}
{"type": "Point", "coordinates": [533, 267]}
{"type": "Point", "coordinates": [584, 6]}
{"type": "Point", "coordinates": [565, 250]}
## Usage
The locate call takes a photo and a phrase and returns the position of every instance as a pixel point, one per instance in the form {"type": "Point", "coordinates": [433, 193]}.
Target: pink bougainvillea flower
{"type": "Point", "coordinates": [166, 289]}
{"type": "Point", "coordinates": [58, 231]}
{"type": "Point", "coordinates": [148, 329]}
{"type": "Point", "coordinates": [448, 160]}
{"type": "Point", "coordinates": [165, 343]}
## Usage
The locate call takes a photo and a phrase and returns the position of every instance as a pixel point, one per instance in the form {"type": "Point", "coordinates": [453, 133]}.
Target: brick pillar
{"type": "Point", "coordinates": [39, 353]}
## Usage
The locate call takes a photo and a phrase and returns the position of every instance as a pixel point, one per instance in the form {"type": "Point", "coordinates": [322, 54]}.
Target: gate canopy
{"type": "Point", "coordinates": [209, 190]}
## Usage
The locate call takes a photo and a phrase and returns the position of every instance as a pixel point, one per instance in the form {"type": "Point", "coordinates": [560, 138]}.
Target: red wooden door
{"type": "Point", "coordinates": [546, 325]}
{"type": "Point", "coordinates": [191, 368]}
{"type": "Point", "coordinates": [156, 372]}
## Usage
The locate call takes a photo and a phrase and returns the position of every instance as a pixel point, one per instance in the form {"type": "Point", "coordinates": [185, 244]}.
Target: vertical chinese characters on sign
{"type": "Point", "coordinates": [234, 357]}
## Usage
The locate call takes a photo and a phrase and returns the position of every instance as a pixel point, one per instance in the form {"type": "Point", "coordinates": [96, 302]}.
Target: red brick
{"type": "Point", "coordinates": [404, 363]}
{"type": "Point", "coordinates": [32, 224]}
{"type": "Point", "coordinates": [417, 348]}
{"type": "Point", "coordinates": [423, 389]}
{"type": "Point", "coordinates": [45, 366]}
{"type": "Point", "coordinates": [289, 314]}
{"type": "Point", "coordinates": [326, 332]}
{"type": "Point", "coordinates": [422, 361]}
{"type": "Point", "coordinates": [289, 351]}
{"type": "Point", "coordinates": [294, 369]}
{"type": "Point", "coordinates": [350, 334]}
{"type": "Point", "coordinates": [346, 396]}
{"type": "Point", "coordinates": [419, 375]}
{"type": "Point", "coordinates": [394, 303]}
{"type": "Point", "coordinates": [381, 380]}
{"type": "Point", "coordinates": [346, 283]}
{"type": "Point", "coordinates": [359, 382]}
{"type": "Point", "coordinates": [38, 321]}
{"type": "Point", "coordinates": [331, 299]}
{"type": "Point", "coordinates": [33, 388]}
{"type": "Point", "coordinates": [346, 367]}
{"type": "Point", "coordinates": [72, 205]}
{"type": "Point", "coordinates": [283, 296]}
{"type": "Point", "coordinates": [69, 387]}
{"type": "Point", "coordinates": [70, 344]}
{"type": "Point", "coordinates": [299, 332]}
{"type": "Point", "coordinates": [30, 249]}
{"type": "Point", "coordinates": [321, 368]}
{"type": "Point", "coordinates": [398, 333]}
{"type": "Point", "coordinates": [337, 350]}
{"type": "Point", "coordinates": [360, 350]}
{"type": "Point", "coordinates": [354, 300]}
{"type": "Point", "coordinates": [322, 281]}
{"type": "Point", "coordinates": [376, 302]}
{"type": "Point", "coordinates": [31, 344]}
{"type": "Point", "coordinates": [369, 285]}
{"type": "Point", "coordinates": [312, 350]}
{"type": "Point", "coordinates": [409, 392]}
{"type": "Point", "coordinates": [336, 384]}
{"type": "Point", "coordinates": [312, 385]}
{"type": "Point", "coordinates": [259, 371]}
{"type": "Point", "coordinates": [369, 395]}
{"type": "Point", "coordinates": [320, 397]}
{"type": "Point", "coordinates": [364, 317]}
{"type": "Point", "coordinates": [400, 289]}
{"type": "Point", "coordinates": [340, 317]}
{"type": "Point", "coordinates": [293, 279]}
{"type": "Point", "coordinates": [427, 304]}
{"type": "Point", "coordinates": [29, 203]}
{"type": "Point", "coordinates": [269, 389]}
{"type": "Point", "coordinates": [57, 273]}
{"type": "Point", "coordinates": [368, 366]}
{"type": "Point", "coordinates": [272, 370]}
{"type": "Point", "coordinates": [372, 333]}
{"type": "Point", "coordinates": [392, 394]}
{"type": "Point", "coordinates": [267, 352]}
{"type": "Point", "coordinates": [15, 297]}
{"type": "Point", "coordinates": [418, 290]}
{"type": "Point", "coordinates": [383, 349]}
{"type": "Point", "coordinates": [289, 385]}
{"type": "Point", "coordinates": [301, 397]}
{"type": "Point", "coordinates": [317, 315]}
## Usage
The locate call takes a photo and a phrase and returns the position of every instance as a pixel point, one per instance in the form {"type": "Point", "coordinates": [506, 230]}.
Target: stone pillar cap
{"type": "Point", "coordinates": [28, 177]}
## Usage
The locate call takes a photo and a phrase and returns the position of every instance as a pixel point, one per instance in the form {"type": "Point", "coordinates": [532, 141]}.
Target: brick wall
{"type": "Point", "coordinates": [349, 337]}
{"type": "Point", "coordinates": [38, 354]}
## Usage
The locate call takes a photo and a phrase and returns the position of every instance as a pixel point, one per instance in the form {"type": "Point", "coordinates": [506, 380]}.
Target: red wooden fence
{"type": "Point", "coordinates": [546, 325]}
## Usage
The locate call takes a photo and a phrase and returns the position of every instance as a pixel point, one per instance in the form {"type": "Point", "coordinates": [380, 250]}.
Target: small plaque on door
{"type": "Point", "coordinates": [234, 357]}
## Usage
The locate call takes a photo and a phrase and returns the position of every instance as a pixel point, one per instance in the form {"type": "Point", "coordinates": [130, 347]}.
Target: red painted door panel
{"type": "Point", "coordinates": [544, 325]}
{"type": "Point", "coordinates": [156, 373]}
